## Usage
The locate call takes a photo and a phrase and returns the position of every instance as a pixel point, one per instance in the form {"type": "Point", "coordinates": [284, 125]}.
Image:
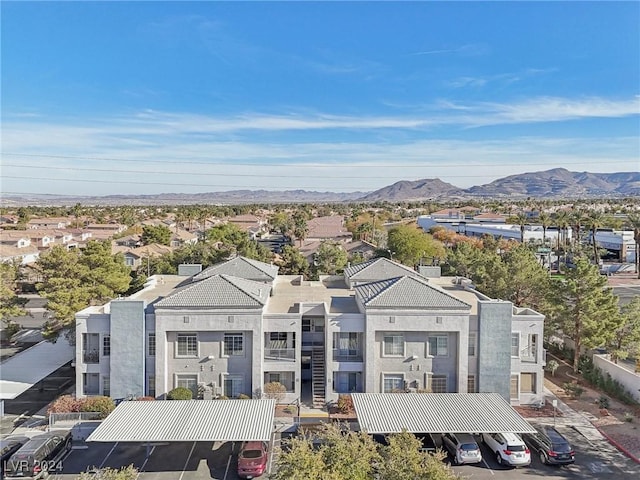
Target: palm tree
{"type": "Point", "coordinates": [577, 220]}
{"type": "Point", "coordinates": [561, 219]}
{"type": "Point", "coordinates": [594, 221]}
{"type": "Point", "coordinates": [634, 221]}
{"type": "Point", "coordinates": [522, 220]}
{"type": "Point", "coordinates": [545, 221]}
{"type": "Point", "coordinates": [300, 227]}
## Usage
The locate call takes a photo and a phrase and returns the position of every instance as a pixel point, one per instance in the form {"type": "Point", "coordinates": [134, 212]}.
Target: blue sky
{"type": "Point", "coordinates": [150, 97]}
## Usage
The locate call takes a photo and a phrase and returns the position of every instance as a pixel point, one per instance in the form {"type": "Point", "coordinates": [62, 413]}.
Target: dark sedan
{"type": "Point", "coordinates": [552, 447]}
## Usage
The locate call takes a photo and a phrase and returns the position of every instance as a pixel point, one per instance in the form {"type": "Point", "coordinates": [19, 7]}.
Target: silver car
{"type": "Point", "coordinates": [462, 448]}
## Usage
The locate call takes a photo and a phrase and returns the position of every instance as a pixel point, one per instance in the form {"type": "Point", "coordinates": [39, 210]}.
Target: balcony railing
{"type": "Point", "coordinates": [286, 354]}
{"type": "Point", "coordinates": [91, 357]}
{"type": "Point", "coordinates": [529, 354]}
{"type": "Point", "coordinates": [347, 356]}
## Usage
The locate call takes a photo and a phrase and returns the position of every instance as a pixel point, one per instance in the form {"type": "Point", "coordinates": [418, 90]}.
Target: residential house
{"type": "Point", "coordinates": [135, 257]}
{"type": "Point", "coordinates": [253, 225]}
{"type": "Point", "coordinates": [180, 237]}
{"type": "Point", "coordinates": [330, 227]}
{"type": "Point", "coordinates": [380, 327]}
{"type": "Point", "coordinates": [49, 223]}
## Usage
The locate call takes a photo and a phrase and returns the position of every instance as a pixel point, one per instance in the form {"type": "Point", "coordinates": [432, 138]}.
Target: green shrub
{"type": "Point", "coordinates": [242, 396]}
{"type": "Point", "coordinates": [180, 393]}
{"type": "Point", "coordinates": [290, 409]}
{"type": "Point", "coordinates": [603, 402]}
{"type": "Point", "coordinates": [628, 417]}
{"type": "Point", "coordinates": [552, 366]}
{"type": "Point", "coordinates": [101, 404]}
{"type": "Point", "coordinates": [573, 390]}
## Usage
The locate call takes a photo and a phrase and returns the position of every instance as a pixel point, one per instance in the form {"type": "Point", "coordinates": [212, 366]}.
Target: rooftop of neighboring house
{"type": "Point", "coordinates": [183, 235]}
{"type": "Point", "coordinates": [489, 216]}
{"type": "Point", "coordinates": [50, 221]}
{"type": "Point", "coordinates": [151, 250]}
{"type": "Point", "coordinates": [247, 218]}
{"type": "Point", "coordinates": [9, 251]}
{"type": "Point", "coordinates": [327, 227]}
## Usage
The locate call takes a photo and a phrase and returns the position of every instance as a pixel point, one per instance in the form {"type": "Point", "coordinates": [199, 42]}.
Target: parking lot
{"type": "Point", "coordinates": [595, 459]}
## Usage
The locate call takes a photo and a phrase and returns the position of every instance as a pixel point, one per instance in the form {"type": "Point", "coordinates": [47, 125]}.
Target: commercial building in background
{"type": "Point", "coordinates": [381, 327]}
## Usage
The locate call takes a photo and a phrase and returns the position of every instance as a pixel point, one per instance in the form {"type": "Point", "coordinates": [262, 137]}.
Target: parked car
{"type": "Point", "coordinates": [462, 448]}
{"type": "Point", "coordinates": [508, 448]}
{"type": "Point", "coordinates": [8, 446]}
{"type": "Point", "coordinates": [552, 447]}
{"type": "Point", "coordinates": [252, 459]}
{"type": "Point", "coordinates": [39, 456]}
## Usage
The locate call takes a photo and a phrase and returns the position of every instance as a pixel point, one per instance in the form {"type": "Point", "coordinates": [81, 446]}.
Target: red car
{"type": "Point", "coordinates": [252, 459]}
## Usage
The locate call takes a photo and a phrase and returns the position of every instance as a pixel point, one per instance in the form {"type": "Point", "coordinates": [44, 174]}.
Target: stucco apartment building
{"type": "Point", "coordinates": [381, 327]}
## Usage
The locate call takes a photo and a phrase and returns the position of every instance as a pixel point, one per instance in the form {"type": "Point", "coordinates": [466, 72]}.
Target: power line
{"type": "Point", "coordinates": [172, 184]}
{"type": "Point", "coordinates": [332, 165]}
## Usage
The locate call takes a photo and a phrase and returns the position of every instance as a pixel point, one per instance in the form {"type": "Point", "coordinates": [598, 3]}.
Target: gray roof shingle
{"type": "Point", "coordinates": [377, 269]}
{"type": "Point", "coordinates": [407, 292]}
{"type": "Point", "coordinates": [219, 291]}
{"type": "Point", "coordinates": [243, 268]}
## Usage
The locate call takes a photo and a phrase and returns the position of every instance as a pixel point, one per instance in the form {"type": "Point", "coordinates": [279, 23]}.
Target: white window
{"type": "Point", "coordinates": [345, 382]}
{"type": "Point", "coordinates": [188, 381]}
{"type": "Point", "coordinates": [394, 345]}
{"type": "Point", "coordinates": [514, 387]}
{"type": "Point", "coordinates": [346, 343]}
{"type": "Point", "coordinates": [233, 385]}
{"type": "Point", "coordinates": [187, 345]}
{"type": "Point", "coordinates": [151, 388]}
{"type": "Point", "coordinates": [151, 345]}
{"type": "Point", "coordinates": [472, 344]}
{"type": "Point", "coordinates": [392, 383]}
{"type": "Point", "coordinates": [106, 345]}
{"type": "Point", "coordinates": [106, 386]}
{"type": "Point", "coordinates": [437, 383]}
{"type": "Point", "coordinates": [439, 345]}
{"type": "Point", "coordinates": [471, 384]}
{"type": "Point", "coordinates": [515, 344]}
{"type": "Point", "coordinates": [528, 383]}
{"type": "Point", "coordinates": [285, 378]}
{"type": "Point", "coordinates": [233, 344]}
{"type": "Point", "coordinates": [129, 262]}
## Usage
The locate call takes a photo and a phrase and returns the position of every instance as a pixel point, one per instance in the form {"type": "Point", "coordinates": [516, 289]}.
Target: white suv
{"type": "Point", "coordinates": [508, 448]}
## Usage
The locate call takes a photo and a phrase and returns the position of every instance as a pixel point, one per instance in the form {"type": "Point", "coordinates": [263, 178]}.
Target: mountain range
{"type": "Point", "coordinates": [555, 183]}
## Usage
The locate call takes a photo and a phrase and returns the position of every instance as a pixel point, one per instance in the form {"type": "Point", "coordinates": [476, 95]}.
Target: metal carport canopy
{"type": "Point", "coordinates": [437, 413]}
{"type": "Point", "coordinates": [188, 421]}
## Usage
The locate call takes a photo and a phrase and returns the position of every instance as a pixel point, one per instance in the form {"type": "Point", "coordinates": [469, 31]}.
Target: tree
{"type": "Point", "coordinates": [10, 304]}
{"type": "Point", "coordinates": [402, 459]}
{"type": "Point", "coordinates": [625, 341]}
{"type": "Point", "coordinates": [545, 220]}
{"type": "Point", "coordinates": [522, 220]}
{"type": "Point", "coordinates": [342, 454]}
{"type": "Point", "coordinates": [156, 234]}
{"type": "Point", "coordinates": [300, 227]}
{"type": "Point", "coordinates": [526, 280]}
{"type": "Point", "coordinates": [408, 245]}
{"type": "Point", "coordinates": [281, 222]}
{"type": "Point", "coordinates": [292, 262]}
{"type": "Point", "coordinates": [634, 221]}
{"type": "Point", "coordinates": [74, 279]}
{"type": "Point", "coordinates": [584, 308]}
{"type": "Point", "coordinates": [275, 391]}
{"type": "Point", "coordinates": [594, 221]}
{"type": "Point", "coordinates": [577, 219]}
{"type": "Point", "coordinates": [330, 258]}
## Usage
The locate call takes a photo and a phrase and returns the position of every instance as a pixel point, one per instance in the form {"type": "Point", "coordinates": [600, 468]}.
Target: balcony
{"type": "Point", "coordinates": [91, 357]}
{"type": "Point", "coordinates": [347, 355]}
{"type": "Point", "coordinates": [529, 354]}
{"type": "Point", "coordinates": [280, 354]}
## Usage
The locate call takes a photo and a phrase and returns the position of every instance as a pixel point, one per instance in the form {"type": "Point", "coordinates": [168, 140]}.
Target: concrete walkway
{"type": "Point", "coordinates": [581, 423]}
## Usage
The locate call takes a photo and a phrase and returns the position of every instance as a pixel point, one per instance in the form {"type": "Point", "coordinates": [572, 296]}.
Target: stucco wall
{"type": "Point", "coordinates": [630, 380]}
{"type": "Point", "coordinates": [494, 347]}
{"type": "Point", "coordinates": [127, 348]}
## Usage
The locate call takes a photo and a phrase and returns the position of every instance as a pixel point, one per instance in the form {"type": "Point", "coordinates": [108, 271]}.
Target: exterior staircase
{"type": "Point", "coordinates": [318, 380]}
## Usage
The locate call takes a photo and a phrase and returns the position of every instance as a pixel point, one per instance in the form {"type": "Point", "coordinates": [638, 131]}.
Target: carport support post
{"type": "Point", "coordinates": [148, 450]}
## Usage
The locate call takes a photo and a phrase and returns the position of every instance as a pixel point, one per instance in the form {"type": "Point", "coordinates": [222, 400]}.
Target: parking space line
{"type": "Point", "coordinates": [187, 462]}
{"type": "Point", "coordinates": [108, 454]}
{"type": "Point", "coordinates": [488, 467]}
{"type": "Point", "coordinates": [226, 471]}
{"type": "Point", "coordinates": [146, 460]}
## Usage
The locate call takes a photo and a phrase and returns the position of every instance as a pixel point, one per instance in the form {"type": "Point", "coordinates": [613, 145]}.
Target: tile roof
{"type": "Point", "coordinates": [219, 291]}
{"type": "Point", "coordinates": [437, 413]}
{"type": "Point", "coordinates": [377, 269]}
{"type": "Point", "coordinates": [188, 421]}
{"type": "Point", "coordinates": [407, 292]}
{"type": "Point", "coordinates": [331, 226]}
{"type": "Point", "coordinates": [241, 267]}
